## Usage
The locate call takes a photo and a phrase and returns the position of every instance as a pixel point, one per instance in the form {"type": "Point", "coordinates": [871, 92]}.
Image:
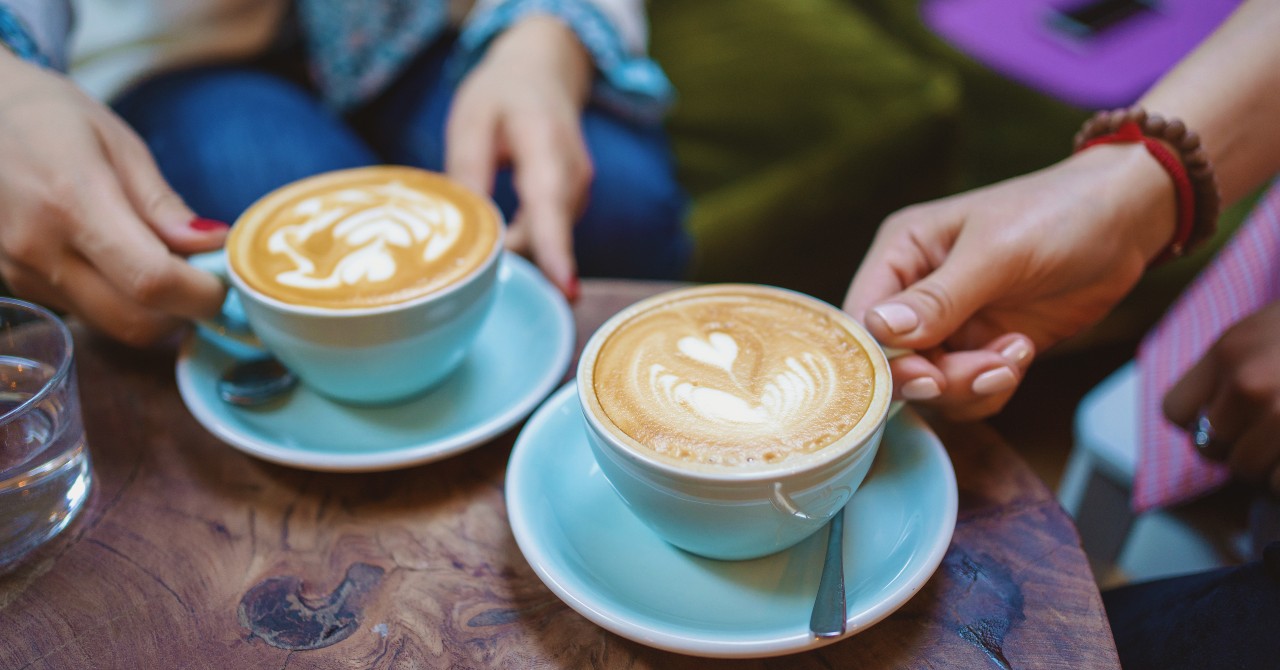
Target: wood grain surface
{"type": "Point", "coordinates": [193, 555]}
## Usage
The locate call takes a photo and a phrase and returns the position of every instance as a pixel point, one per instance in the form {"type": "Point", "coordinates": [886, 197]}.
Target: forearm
{"type": "Point", "coordinates": [1228, 91]}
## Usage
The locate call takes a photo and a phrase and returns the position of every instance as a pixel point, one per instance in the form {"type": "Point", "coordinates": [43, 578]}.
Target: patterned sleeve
{"type": "Point", "coordinates": [614, 32]}
{"type": "Point", "coordinates": [36, 30]}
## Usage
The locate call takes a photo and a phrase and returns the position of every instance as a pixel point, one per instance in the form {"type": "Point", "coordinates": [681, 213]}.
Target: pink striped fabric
{"type": "Point", "coordinates": [1244, 277]}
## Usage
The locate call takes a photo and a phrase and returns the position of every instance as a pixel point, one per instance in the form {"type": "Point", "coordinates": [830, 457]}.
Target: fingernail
{"type": "Point", "coordinates": [1016, 352]}
{"type": "Point", "coordinates": [572, 290]}
{"type": "Point", "coordinates": [995, 381]}
{"type": "Point", "coordinates": [205, 225]}
{"type": "Point", "coordinates": [898, 317]}
{"type": "Point", "coordinates": [924, 388]}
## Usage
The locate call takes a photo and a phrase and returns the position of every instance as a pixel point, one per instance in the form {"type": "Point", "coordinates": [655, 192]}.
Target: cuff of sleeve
{"type": "Point", "coordinates": [17, 38]}
{"type": "Point", "coordinates": [630, 85]}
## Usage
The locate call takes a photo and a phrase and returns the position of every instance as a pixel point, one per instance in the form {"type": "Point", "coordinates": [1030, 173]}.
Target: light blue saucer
{"type": "Point", "coordinates": [522, 352]}
{"type": "Point", "coordinates": [600, 559]}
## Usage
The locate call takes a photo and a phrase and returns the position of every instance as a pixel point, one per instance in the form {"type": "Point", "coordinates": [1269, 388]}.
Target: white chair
{"type": "Point", "coordinates": [1095, 489]}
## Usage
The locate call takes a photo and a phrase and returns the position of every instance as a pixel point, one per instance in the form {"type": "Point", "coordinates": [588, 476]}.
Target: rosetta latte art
{"type": "Point", "coordinates": [366, 224]}
{"type": "Point", "coordinates": [747, 377]}
{"type": "Point", "coordinates": [363, 238]}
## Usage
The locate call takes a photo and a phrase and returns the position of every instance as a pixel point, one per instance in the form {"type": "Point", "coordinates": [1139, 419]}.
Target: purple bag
{"type": "Point", "coordinates": [1095, 54]}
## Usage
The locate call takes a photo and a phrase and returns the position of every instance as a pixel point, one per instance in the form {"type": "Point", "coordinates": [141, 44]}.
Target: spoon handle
{"type": "Point", "coordinates": [828, 619]}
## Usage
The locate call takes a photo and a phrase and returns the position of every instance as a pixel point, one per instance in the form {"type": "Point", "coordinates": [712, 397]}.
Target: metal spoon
{"type": "Point", "coordinates": [255, 382]}
{"type": "Point", "coordinates": [828, 619]}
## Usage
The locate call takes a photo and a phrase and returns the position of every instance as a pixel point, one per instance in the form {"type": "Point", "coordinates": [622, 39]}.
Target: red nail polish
{"type": "Point", "coordinates": [204, 225]}
{"type": "Point", "coordinates": [572, 290]}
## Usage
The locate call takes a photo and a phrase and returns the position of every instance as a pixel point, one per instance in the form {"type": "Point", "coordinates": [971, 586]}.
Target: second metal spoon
{"type": "Point", "coordinates": [250, 383]}
{"type": "Point", "coordinates": [828, 619]}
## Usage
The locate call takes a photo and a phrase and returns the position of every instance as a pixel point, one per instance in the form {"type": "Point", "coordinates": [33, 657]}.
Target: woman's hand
{"type": "Point", "coordinates": [87, 224]}
{"type": "Point", "coordinates": [522, 105]}
{"type": "Point", "coordinates": [1237, 385]}
{"type": "Point", "coordinates": [979, 282]}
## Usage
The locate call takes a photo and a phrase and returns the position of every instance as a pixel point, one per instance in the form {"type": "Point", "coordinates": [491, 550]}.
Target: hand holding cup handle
{"type": "Point", "coordinates": [357, 322]}
{"type": "Point", "coordinates": [230, 328]}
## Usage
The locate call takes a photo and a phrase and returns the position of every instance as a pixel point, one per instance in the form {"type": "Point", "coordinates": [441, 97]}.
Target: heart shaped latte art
{"type": "Point", "coordinates": [718, 349]}
{"type": "Point", "coordinates": [784, 396]}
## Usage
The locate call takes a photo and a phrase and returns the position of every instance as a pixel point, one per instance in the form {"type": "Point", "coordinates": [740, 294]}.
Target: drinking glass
{"type": "Point", "coordinates": [45, 472]}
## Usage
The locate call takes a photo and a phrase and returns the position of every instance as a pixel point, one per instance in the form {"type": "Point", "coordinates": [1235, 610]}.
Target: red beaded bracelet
{"type": "Point", "coordinates": [1194, 183]}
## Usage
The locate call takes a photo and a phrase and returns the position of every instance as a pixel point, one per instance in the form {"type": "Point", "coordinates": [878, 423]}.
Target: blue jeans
{"type": "Point", "coordinates": [224, 136]}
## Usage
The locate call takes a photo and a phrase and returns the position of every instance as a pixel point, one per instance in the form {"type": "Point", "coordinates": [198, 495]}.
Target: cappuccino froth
{"type": "Point", "coordinates": [733, 376]}
{"type": "Point", "coordinates": [363, 238]}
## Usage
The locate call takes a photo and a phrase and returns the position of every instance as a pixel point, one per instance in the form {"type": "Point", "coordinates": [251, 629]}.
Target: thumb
{"type": "Point", "coordinates": [928, 312]}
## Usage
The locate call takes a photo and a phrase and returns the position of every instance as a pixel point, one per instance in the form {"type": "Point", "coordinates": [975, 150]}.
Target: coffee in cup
{"type": "Point", "coordinates": [363, 238]}
{"type": "Point", "coordinates": [734, 419]}
{"type": "Point", "coordinates": [369, 283]}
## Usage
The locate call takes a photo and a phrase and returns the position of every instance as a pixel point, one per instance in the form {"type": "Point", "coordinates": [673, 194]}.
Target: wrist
{"type": "Point", "coordinates": [545, 44]}
{"type": "Point", "coordinates": [1178, 152]}
{"type": "Point", "coordinates": [1143, 195]}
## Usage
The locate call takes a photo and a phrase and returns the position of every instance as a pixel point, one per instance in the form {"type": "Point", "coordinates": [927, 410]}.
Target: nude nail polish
{"type": "Point", "coordinates": [924, 388]}
{"type": "Point", "coordinates": [995, 381]}
{"type": "Point", "coordinates": [1016, 352]}
{"type": "Point", "coordinates": [898, 317]}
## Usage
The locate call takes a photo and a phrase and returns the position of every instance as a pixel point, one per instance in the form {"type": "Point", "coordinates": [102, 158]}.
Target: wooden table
{"type": "Point", "coordinates": [418, 568]}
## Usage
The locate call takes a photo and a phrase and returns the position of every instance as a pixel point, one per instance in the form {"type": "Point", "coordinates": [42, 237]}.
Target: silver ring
{"type": "Point", "coordinates": [1205, 438]}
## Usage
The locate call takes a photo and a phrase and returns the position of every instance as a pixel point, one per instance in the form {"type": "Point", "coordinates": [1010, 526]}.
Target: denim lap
{"type": "Point", "coordinates": [224, 136]}
{"type": "Point", "coordinates": [633, 225]}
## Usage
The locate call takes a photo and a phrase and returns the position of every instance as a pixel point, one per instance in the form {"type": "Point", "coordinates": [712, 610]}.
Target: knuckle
{"type": "Point", "coordinates": [148, 285]}
{"type": "Point", "coordinates": [57, 197]}
{"type": "Point", "coordinates": [160, 199]}
{"type": "Point", "coordinates": [25, 243]}
{"type": "Point", "coordinates": [1231, 347]}
{"type": "Point", "coordinates": [1254, 385]}
{"type": "Point", "coordinates": [904, 217]}
{"type": "Point", "coordinates": [934, 297]}
{"type": "Point", "coordinates": [127, 141]}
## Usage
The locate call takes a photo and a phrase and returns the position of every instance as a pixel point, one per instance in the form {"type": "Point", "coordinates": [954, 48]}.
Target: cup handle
{"type": "Point", "coordinates": [230, 329]}
{"type": "Point", "coordinates": [783, 502]}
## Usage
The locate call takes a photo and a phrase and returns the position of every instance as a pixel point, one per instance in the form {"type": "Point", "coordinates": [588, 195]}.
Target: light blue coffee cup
{"type": "Point", "coordinates": [737, 514]}
{"type": "Point", "coordinates": [366, 356]}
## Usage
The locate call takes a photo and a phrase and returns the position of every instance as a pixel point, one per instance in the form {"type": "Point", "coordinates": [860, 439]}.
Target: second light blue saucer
{"type": "Point", "coordinates": [588, 548]}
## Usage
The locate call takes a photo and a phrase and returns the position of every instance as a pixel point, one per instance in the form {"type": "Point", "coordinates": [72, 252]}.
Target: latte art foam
{"type": "Point", "coordinates": [737, 377]}
{"type": "Point", "coordinates": [362, 238]}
